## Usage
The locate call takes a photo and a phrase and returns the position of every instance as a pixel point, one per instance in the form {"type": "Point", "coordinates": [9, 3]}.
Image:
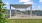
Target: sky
{"type": "Point", "coordinates": [36, 4]}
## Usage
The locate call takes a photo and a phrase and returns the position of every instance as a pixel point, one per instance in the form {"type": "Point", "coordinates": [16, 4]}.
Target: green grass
{"type": "Point", "coordinates": [25, 20]}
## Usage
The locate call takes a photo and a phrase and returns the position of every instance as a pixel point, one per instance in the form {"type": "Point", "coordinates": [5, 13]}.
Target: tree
{"type": "Point", "coordinates": [2, 15]}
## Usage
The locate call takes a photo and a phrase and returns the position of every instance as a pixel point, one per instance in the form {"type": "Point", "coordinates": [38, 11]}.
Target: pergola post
{"type": "Point", "coordinates": [30, 10]}
{"type": "Point", "coordinates": [10, 11]}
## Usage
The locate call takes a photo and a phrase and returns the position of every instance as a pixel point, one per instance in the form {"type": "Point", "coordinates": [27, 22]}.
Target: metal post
{"type": "Point", "coordinates": [31, 10]}
{"type": "Point", "coordinates": [10, 11]}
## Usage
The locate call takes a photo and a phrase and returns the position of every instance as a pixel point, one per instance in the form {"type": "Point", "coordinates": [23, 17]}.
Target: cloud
{"type": "Point", "coordinates": [39, 6]}
{"type": "Point", "coordinates": [26, 1]}
{"type": "Point", "coordinates": [12, 7]}
{"type": "Point", "coordinates": [29, 3]}
{"type": "Point", "coordinates": [6, 3]}
{"type": "Point", "coordinates": [40, 0]}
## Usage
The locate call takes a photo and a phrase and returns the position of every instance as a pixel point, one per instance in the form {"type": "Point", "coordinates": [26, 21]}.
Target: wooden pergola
{"type": "Point", "coordinates": [21, 6]}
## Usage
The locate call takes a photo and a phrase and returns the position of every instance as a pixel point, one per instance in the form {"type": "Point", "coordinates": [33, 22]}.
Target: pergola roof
{"type": "Point", "coordinates": [21, 5]}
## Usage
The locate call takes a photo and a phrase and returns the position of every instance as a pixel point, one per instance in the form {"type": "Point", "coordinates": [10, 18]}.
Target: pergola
{"type": "Point", "coordinates": [21, 6]}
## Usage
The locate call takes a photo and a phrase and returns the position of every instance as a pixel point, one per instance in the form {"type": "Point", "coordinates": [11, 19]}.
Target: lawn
{"type": "Point", "coordinates": [25, 20]}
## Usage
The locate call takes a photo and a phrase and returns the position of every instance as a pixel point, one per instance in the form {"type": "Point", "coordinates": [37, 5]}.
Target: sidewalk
{"type": "Point", "coordinates": [26, 17]}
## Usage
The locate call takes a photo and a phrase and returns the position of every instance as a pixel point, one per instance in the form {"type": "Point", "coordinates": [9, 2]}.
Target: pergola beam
{"type": "Point", "coordinates": [20, 5]}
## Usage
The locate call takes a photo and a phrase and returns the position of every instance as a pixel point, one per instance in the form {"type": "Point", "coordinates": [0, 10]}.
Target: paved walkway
{"type": "Point", "coordinates": [26, 17]}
